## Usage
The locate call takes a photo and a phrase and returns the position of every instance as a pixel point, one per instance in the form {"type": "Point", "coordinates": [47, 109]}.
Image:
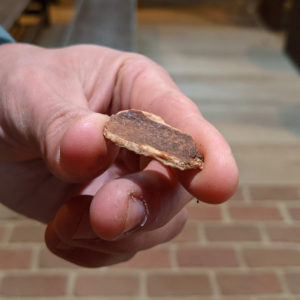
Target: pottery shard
{"type": "Point", "coordinates": [147, 134]}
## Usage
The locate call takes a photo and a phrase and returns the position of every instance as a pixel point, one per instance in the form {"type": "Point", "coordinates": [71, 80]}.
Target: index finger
{"type": "Point", "coordinates": [145, 85]}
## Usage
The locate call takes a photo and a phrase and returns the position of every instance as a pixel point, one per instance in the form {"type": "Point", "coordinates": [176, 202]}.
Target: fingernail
{"type": "Point", "coordinates": [136, 215]}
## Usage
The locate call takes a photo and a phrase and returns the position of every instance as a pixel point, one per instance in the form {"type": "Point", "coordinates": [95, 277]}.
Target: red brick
{"type": "Point", "coordinates": [238, 195]}
{"type": "Point", "coordinates": [14, 258]}
{"type": "Point", "coordinates": [206, 257]}
{"type": "Point", "coordinates": [275, 192]}
{"type": "Point", "coordinates": [293, 280]}
{"type": "Point", "coordinates": [289, 234]}
{"type": "Point", "coordinates": [181, 284]}
{"type": "Point", "coordinates": [188, 234]}
{"type": "Point", "coordinates": [232, 233]}
{"type": "Point", "coordinates": [294, 213]}
{"type": "Point", "coordinates": [48, 260]}
{"type": "Point", "coordinates": [249, 283]}
{"type": "Point", "coordinates": [107, 284]}
{"type": "Point", "coordinates": [205, 212]}
{"type": "Point", "coordinates": [254, 213]}
{"type": "Point", "coordinates": [36, 285]}
{"type": "Point", "coordinates": [28, 233]}
{"type": "Point", "coordinates": [153, 258]}
{"type": "Point", "coordinates": [272, 257]}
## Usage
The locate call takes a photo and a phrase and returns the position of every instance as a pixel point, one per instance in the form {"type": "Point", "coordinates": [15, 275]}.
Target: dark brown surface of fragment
{"type": "Point", "coordinates": [134, 126]}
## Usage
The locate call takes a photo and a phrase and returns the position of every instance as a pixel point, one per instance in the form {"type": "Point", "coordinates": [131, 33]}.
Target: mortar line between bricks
{"type": "Point", "coordinates": [1, 279]}
{"type": "Point", "coordinates": [225, 214]}
{"type": "Point", "coordinates": [214, 284]}
{"type": "Point", "coordinates": [265, 241]}
{"type": "Point", "coordinates": [246, 193]}
{"type": "Point", "coordinates": [143, 285]}
{"type": "Point", "coordinates": [200, 297]}
{"type": "Point", "coordinates": [240, 257]}
{"type": "Point", "coordinates": [290, 204]}
{"type": "Point", "coordinates": [21, 246]}
{"type": "Point", "coordinates": [114, 298]}
{"type": "Point", "coordinates": [172, 298]}
{"type": "Point", "coordinates": [283, 283]}
{"type": "Point", "coordinates": [95, 298]}
{"type": "Point", "coordinates": [201, 234]}
{"type": "Point", "coordinates": [34, 262]}
{"type": "Point", "coordinates": [70, 284]}
{"type": "Point", "coordinates": [173, 259]}
{"type": "Point", "coordinates": [184, 270]}
{"type": "Point", "coordinates": [7, 233]}
{"type": "Point", "coordinates": [286, 216]}
{"type": "Point", "coordinates": [43, 272]}
{"type": "Point", "coordinates": [245, 244]}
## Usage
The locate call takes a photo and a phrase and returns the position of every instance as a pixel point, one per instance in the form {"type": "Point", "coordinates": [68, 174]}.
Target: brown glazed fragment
{"type": "Point", "coordinates": [147, 134]}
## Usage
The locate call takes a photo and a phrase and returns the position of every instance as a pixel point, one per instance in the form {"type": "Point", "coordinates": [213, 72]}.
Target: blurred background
{"type": "Point", "coordinates": [239, 61]}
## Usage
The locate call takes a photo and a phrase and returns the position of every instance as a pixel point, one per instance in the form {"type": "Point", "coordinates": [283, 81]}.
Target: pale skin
{"type": "Point", "coordinates": [101, 204]}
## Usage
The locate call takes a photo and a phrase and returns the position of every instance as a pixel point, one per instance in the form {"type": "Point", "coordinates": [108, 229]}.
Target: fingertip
{"type": "Point", "coordinates": [108, 211]}
{"type": "Point", "coordinates": [84, 152]}
{"type": "Point", "coordinates": [216, 183]}
{"type": "Point", "coordinates": [219, 178]}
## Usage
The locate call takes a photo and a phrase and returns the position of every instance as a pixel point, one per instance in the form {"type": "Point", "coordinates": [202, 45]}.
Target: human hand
{"type": "Point", "coordinates": [102, 204]}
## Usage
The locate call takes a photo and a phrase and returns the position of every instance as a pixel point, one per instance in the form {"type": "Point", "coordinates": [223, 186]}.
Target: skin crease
{"type": "Point", "coordinates": [57, 167]}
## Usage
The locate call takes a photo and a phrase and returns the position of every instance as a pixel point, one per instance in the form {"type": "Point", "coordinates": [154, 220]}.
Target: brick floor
{"type": "Point", "coordinates": [245, 249]}
{"type": "Point", "coordinates": [27, 233]}
{"type": "Point", "coordinates": [249, 283]}
{"type": "Point", "coordinates": [178, 284]}
{"type": "Point", "coordinates": [206, 257]}
{"type": "Point", "coordinates": [11, 258]}
{"type": "Point", "coordinates": [233, 257]}
{"type": "Point", "coordinates": [294, 212]}
{"type": "Point", "coordinates": [273, 193]}
{"type": "Point", "coordinates": [107, 284]}
{"type": "Point", "coordinates": [284, 233]}
{"type": "Point", "coordinates": [232, 233]}
{"type": "Point", "coordinates": [158, 258]}
{"type": "Point", "coordinates": [254, 213]}
{"type": "Point", "coordinates": [293, 279]}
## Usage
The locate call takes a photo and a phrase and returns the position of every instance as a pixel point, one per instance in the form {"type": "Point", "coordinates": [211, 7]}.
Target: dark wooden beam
{"type": "Point", "coordinates": [272, 13]}
{"type": "Point", "coordinates": [293, 34]}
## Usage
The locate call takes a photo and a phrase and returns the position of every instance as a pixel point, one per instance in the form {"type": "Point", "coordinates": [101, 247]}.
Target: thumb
{"type": "Point", "coordinates": [44, 111]}
{"type": "Point", "coordinates": [79, 151]}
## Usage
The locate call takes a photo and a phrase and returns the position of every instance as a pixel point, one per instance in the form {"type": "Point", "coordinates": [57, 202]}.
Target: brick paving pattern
{"type": "Point", "coordinates": [228, 257]}
{"type": "Point", "coordinates": [245, 249]}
